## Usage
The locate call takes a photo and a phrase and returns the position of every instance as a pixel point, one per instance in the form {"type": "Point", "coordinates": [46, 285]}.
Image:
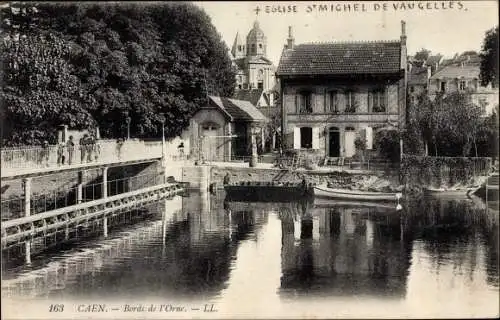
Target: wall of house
{"type": "Point", "coordinates": [452, 85]}
{"type": "Point", "coordinates": [210, 116]}
{"type": "Point", "coordinates": [321, 120]}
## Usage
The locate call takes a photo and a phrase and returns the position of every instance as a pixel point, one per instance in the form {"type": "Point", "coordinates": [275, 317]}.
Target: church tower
{"type": "Point", "coordinates": [256, 41]}
{"type": "Point", "coordinates": [239, 49]}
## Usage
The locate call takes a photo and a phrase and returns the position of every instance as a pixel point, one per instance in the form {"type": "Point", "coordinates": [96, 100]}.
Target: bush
{"type": "Point", "coordinates": [387, 144]}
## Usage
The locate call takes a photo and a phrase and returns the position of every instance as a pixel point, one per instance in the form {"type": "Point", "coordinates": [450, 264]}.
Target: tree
{"type": "Point", "coordinates": [422, 55]}
{"type": "Point", "coordinates": [123, 60]}
{"type": "Point", "coordinates": [450, 123]}
{"type": "Point", "coordinates": [489, 58]}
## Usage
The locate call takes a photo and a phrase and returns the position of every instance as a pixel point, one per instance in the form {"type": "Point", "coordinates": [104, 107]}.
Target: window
{"type": "Point", "coordinates": [442, 86]}
{"type": "Point", "coordinates": [333, 102]}
{"type": "Point", "coordinates": [245, 86]}
{"type": "Point", "coordinates": [350, 102]}
{"type": "Point", "coordinates": [254, 50]}
{"type": "Point", "coordinates": [260, 85]}
{"type": "Point", "coordinates": [239, 48]}
{"type": "Point", "coordinates": [239, 86]}
{"type": "Point", "coordinates": [412, 99]}
{"type": "Point", "coordinates": [462, 85]}
{"type": "Point", "coordinates": [306, 138]}
{"type": "Point", "coordinates": [260, 45]}
{"type": "Point", "coordinates": [377, 101]}
{"type": "Point", "coordinates": [412, 89]}
{"type": "Point", "coordinates": [303, 102]}
{"type": "Point", "coordinates": [240, 79]}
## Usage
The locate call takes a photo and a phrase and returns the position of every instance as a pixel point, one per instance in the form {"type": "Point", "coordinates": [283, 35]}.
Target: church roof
{"type": "Point", "coordinates": [341, 58]}
{"type": "Point", "coordinates": [238, 110]}
{"type": "Point", "coordinates": [256, 32]}
{"type": "Point", "coordinates": [237, 42]}
{"type": "Point", "coordinates": [252, 95]}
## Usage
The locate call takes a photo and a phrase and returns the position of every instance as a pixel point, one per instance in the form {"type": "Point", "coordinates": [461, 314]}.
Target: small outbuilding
{"type": "Point", "coordinates": [223, 129]}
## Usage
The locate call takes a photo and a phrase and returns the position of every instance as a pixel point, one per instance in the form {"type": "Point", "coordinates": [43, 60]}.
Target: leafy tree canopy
{"type": "Point", "coordinates": [87, 64]}
{"type": "Point", "coordinates": [489, 58]}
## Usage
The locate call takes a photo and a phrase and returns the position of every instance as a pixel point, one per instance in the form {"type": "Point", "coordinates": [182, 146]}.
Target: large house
{"type": "Point", "coordinates": [332, 93]}
{"type": "Point", "coordinates": [463, 77]}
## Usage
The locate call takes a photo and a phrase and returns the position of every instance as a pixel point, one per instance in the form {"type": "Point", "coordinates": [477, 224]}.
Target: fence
{"type": "Point", "coordinates": [106, 151]}
{"type": "Point", "coordinates": [14, 207]}
{"type": "Point", "coordinates": [443, 171]}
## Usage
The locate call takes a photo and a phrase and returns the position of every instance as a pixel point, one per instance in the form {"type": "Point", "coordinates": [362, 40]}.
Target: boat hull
{"type": "Point", "coordinates": [267, 193]}
{"type": "Point", "coordinates": [331, 193]}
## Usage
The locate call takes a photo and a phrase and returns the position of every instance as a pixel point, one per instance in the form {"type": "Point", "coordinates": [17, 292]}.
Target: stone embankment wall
{"type": "Point", "coordinates": [355, 180]}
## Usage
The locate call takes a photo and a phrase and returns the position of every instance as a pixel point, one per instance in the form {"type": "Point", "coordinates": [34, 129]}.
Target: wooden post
{"type": "Point", "coordinates": [104, 182]}
{"type": "Point", "coordinates": [27, 213]}
{"type": "Point", "coordinates": [79, 192]}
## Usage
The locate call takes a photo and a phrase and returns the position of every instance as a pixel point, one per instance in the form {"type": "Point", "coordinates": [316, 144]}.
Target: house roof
{"type": "Point", "coordinates": [418, 75]}
{"type": "Point", "coordinates": [340, 58]}
{"type": "Point", "coordinates": [238, 110]}
{"type": "Point", "coordinates": [432, 60]}
{"type": "Point", "coordinates": [453, 72]}
{"type": "Point", "coordinates": [252, 95]}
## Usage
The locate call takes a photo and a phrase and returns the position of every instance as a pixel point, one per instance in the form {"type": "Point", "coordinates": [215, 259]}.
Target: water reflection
{"type": "Point", "coordinates": [203, 247]}
{"type": "Point", "coordinates": [343, 251]}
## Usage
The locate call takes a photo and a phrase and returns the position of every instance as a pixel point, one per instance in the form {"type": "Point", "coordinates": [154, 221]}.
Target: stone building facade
{"type": "Point", "coordinates": [333, 93]}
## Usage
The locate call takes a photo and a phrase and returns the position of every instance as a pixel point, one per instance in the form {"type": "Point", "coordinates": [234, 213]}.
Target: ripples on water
{"type": "Point", "coordinates": [210, 249]}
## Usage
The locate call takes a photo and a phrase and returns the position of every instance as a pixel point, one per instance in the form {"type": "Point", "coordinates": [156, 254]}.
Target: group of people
{"type": "Point", "coordinates": [89, 147]}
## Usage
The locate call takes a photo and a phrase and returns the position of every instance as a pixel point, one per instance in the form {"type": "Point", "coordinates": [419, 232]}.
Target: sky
{"type": "Point", "coordinates": [445, 27]}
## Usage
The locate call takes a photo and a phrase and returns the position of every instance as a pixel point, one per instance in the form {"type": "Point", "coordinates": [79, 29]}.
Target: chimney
{"type": "Point", "coordinates": [403, 31]}
{"type": "Point", "coordinates": [290, 40]}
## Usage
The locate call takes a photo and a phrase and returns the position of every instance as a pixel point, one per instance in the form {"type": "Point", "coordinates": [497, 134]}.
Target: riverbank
{"type": "Point", "coordinates": [349, 179]}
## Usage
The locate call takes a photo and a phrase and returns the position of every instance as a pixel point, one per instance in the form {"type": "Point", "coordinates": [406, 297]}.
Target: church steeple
{"type": "Point", "coordinates": [256, 41]}
{"type": "Point", "coordinates": [238, 49]}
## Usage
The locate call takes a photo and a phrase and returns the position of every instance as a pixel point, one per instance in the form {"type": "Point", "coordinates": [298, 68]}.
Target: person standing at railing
{"type": "Point", "coordinates": [60, 154]}
{"type": "Point", "coordinates": [83, 147]}
{"type": "Point", "coordinates": [90, 148]}
{"type": "Point", "coordinates": [119, 145]}
{"type": "Point", "coordinates": [97, 148]}
{"type": "Point", "coordinates": [45, 153]}
{"type": "Point", "coordinates": [70, 146]}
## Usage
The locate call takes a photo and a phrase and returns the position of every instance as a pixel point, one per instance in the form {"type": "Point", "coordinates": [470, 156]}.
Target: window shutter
{"type": "Point", "coordinates": [326, 99]}
{"type": "Point", "coordinates": [315, 137]}
{"type": "Point", "coordinates": [370, 102]}
{"type": "Point", "coordinates": [369, 138]}
{"type": "Point", "coordinates": [386, 99]}
{"type": "Point", "coordinates": [296, 138]}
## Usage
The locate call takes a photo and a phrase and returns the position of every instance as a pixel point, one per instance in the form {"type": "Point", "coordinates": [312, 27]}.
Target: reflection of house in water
{"type": "Point", "coordinates": [353, 254]}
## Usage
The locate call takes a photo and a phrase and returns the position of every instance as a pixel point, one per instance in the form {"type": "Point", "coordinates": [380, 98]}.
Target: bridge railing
{"type": "Point", "coordinates": [105, 151]}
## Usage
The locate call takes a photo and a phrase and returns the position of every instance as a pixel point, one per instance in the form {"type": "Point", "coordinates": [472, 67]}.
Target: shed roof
{"type": "Point", "coordinates": [238, 110]}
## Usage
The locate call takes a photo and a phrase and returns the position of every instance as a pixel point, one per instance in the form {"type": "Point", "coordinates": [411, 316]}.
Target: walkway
{"type": "Point", "coordinates": [35, 161]}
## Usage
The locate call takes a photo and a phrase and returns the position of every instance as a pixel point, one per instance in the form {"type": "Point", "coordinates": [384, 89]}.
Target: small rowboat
{"type": "Point", "coordinates": [451, 192]}
{"type": "Point", "coordinates": [323, 191]}
{"type": "Point", "coordinates": [331, 203]}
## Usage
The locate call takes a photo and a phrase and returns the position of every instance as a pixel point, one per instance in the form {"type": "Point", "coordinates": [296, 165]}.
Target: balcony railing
{"type": "Point", "coordinates": [107, 151]}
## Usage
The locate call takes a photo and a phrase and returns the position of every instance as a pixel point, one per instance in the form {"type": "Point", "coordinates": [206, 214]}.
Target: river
{"type": "Point", "coordinates": [437, 257]}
